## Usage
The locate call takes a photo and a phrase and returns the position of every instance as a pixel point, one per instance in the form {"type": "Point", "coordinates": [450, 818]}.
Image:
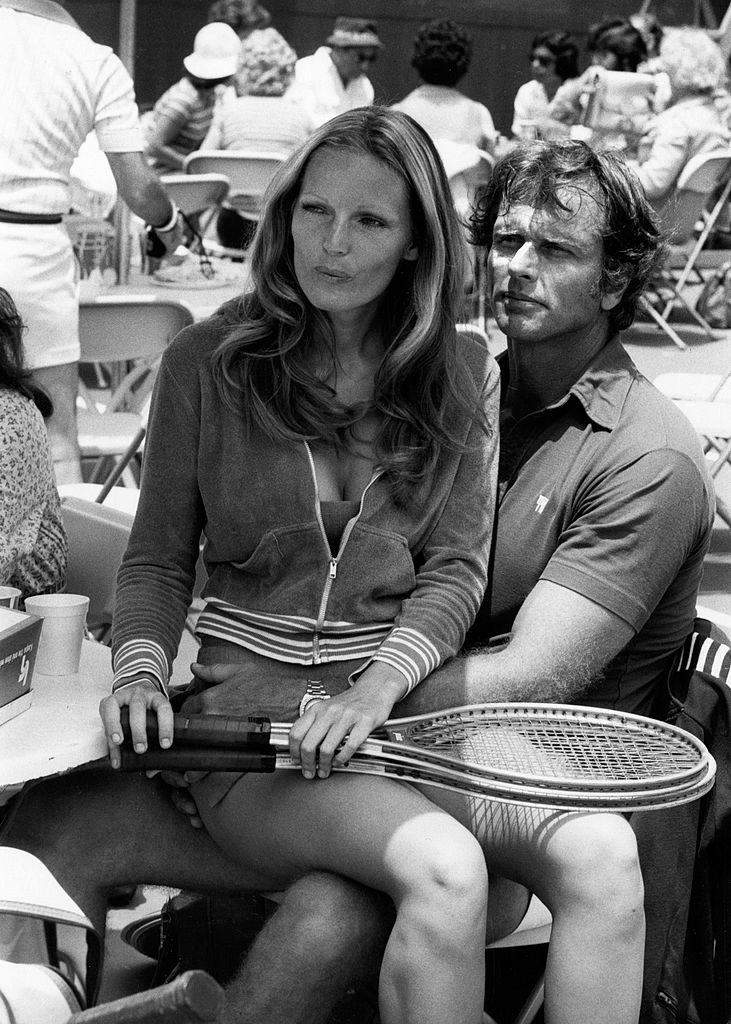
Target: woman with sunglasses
{"type": "Point", "coordinates": [554, 58]}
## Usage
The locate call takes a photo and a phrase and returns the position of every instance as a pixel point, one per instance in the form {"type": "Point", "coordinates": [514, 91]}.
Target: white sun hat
{"type": "Point", "coordinates": [216, 50]}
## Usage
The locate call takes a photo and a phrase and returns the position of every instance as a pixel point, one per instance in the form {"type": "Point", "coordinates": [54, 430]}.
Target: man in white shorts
{"type": "Point", "coordinates": [56, 86]}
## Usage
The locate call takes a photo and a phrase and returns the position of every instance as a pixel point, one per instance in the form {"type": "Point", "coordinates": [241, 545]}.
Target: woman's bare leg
{"type": "Point", "coordinates": [585, 868]}
{"type": "Point", "coordinates": [389, 837]}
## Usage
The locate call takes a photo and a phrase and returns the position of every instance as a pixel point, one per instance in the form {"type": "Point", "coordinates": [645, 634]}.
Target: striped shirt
{"type": "Point", "coordinates": [267, 124]}
{"type": "Point", "coordinates": [291, 638]}
{"type": "Point", "coordinates": [190, 109]}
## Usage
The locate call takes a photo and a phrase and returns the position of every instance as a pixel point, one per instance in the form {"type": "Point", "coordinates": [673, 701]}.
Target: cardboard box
{"type": "Point", "coordinates": [19, 636]}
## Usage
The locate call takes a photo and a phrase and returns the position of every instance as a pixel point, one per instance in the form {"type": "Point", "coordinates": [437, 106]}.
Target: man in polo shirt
{"type": "Point", "coordinates": [605, 513]}
{"type": "Point", "coordinates": [334, 78]}
{"type": "Point", "coordinates": [605, 505]}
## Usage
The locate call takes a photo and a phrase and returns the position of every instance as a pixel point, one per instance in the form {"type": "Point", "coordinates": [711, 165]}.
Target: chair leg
{"type": "Point", "coordinates": [661, 323]}
{"type": "Point", "coordinates": [121, 465]}
{"type": "Point", "coordinates": [532, 1004]}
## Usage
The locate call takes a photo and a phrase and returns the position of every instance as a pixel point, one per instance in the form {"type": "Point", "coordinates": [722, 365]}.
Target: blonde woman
{"type": "Point", "coordinates": [334, 439]}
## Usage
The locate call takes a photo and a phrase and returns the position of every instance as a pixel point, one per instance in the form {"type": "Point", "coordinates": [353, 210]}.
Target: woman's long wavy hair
{"type": "Point", "coordinates": [13, 374]}
{"type": "Point", "coordinates": [264, 366]}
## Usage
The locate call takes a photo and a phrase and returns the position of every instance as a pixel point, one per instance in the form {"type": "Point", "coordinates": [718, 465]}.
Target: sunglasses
{"type": "Point", "coordinates": [364, 56]}
{"type": "Point", "coordinates": [544, 62]}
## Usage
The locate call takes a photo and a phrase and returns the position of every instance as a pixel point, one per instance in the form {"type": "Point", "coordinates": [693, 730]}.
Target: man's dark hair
{"type": "Point", "coordinates": [536, 173]}
{"type": "Point", "coordinates": [442, 52]}
{"type": "Point", "coordinates": [563, 48]}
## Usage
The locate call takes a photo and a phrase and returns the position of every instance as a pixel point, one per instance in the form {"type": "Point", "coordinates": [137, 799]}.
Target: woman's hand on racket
{"type": "Point", "coordinates": [330, 731]}
{"type": "Point", "coordinates": [139, 697]}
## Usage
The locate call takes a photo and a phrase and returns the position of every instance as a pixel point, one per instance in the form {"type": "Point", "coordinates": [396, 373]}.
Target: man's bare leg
{"type": "Point", "coordinates": [62, 384]}
{"type": "Point", "coordinates": [98, 829]}
{"type": "Point", "coordinates": [328, 934]}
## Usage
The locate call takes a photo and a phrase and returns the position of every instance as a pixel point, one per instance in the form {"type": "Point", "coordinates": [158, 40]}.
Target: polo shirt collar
{"type": "Point", "coordinates": [603, 386]}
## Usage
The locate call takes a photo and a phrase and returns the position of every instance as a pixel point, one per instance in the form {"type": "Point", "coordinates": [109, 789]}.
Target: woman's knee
{"type": "Point", "coordinates": [450, 872]}
{"type": "Point", "coordinates": [596, 864]}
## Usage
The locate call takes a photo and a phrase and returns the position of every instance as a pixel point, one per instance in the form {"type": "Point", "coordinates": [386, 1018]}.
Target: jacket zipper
{"type": "Point", "coordinates": [332, 571]}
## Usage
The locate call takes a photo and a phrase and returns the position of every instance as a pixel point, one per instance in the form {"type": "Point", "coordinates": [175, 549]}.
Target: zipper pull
{"type": "Point", "coordinates": [333, 568]}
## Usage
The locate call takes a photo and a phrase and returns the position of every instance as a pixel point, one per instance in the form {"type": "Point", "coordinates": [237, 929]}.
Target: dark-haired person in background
{"type": "Point", "coordinates": [33, 546]}
{"type": "Point", "coordinates": [442, 55]}
{"type": "Point", "coordinates": [615, 45]}
{"type": "Point", "coordinates": [554, 58]}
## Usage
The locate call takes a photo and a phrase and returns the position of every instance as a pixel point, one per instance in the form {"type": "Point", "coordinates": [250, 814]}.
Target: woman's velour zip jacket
{"type": "Point", "coordinates": [403, 587]}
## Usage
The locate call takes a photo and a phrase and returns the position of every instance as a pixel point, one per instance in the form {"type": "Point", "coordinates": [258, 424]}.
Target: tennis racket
{"type": "Point", "coordinates": [559, 756]}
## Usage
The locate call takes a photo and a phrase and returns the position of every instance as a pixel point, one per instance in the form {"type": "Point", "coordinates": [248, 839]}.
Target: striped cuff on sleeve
{"type": "Point", "coordinates": [411, 653]}
{"type": "Point", "coordinates": [138, 656]}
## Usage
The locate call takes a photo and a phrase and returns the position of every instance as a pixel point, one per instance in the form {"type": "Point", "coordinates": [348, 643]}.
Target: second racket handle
{"type": "Point", "coordinates": [210, 759]}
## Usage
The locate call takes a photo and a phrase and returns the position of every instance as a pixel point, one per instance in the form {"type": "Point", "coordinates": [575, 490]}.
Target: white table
{"type": "Point", "coordinates": [62, 728]}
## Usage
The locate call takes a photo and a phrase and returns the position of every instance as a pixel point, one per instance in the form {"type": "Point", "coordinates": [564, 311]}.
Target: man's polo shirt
{"type": "Point", "coordinates": [606, 492]}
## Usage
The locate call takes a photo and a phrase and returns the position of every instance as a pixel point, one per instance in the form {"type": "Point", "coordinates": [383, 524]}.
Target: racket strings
{"type": "Point", "coordinates": [557, 750]}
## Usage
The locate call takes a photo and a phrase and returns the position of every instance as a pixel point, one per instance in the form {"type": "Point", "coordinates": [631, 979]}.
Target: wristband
{"type": "Point", "coordinates": [170, 224]}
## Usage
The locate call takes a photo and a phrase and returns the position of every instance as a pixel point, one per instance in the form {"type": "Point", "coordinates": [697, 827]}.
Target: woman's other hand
{"type": "Point", "coordinates": [330, 731]}
{"type": "Point", "coordinates": [139, 697]}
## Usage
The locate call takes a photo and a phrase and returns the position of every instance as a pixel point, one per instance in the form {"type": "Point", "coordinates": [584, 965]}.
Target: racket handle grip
{"type": "Point", "coordinates": [201, 759]}
{"type": "Point", "coordinates": [225, 731]}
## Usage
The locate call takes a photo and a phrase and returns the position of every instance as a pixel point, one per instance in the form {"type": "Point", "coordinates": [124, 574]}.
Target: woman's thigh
{"type": "Point", "coordinates": [377, 831]}
{"type": "Point", "coordinates": [537, 847]}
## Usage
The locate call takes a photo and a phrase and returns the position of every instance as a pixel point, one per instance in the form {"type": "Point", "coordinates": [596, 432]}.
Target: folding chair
{"type": "Point", "coordinates": [51, 958]}
{"type": "Point", "coordinates": [127, 335]}
{"type": "Point", "coordinates": [198, 196]}
{"type": "Point", "coordinates": [533, 930]}
{"type": "Point", "coordinates": [697, 187]}
{"type": "Point", "coordinates": [98, 536]}
{"type": "Point", "coordinates": [712, 423]}
{"type": "Point", "coordinates": [248, 173]}
{"type": "Point", "coordinates": [50, 954]}
{"type": "Point", "coordinates": [695, 387]}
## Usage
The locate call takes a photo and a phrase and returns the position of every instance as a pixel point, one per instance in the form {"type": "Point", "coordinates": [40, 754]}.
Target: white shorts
{"type": "Point", "coordinates": [38, 268]}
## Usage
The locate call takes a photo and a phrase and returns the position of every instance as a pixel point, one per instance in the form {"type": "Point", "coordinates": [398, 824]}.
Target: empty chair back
{"type": "Point", "coordinates": [98, 536]}
{"type": "Point", "coordinates": [248, 172]}
{"type": "Point", "coordinates": [695, 193]}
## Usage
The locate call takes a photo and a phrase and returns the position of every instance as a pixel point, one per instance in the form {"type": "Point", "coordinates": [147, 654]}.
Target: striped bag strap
{"type": "Point", "coordinates": [701, 653]}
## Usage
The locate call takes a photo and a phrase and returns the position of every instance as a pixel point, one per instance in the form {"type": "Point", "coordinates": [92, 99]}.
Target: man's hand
{"type": "Point", "coordinates": [181, 798]}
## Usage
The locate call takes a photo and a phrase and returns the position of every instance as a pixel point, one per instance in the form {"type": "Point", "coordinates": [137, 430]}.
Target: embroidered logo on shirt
{"type": "Point", "coordinates": [541, 503]}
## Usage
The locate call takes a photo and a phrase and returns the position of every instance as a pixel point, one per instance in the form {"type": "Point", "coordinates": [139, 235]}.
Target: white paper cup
{"type": "Point", "coordinates": [64, 618]}
{"type": "Point", "coordinates": [9, 597]}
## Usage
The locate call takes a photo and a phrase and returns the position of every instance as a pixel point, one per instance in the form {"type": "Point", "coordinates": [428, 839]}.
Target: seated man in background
{"type": "Point", "coordinates": [604, 519]}
{"type": "Point", "coordinates": [334, 78]}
